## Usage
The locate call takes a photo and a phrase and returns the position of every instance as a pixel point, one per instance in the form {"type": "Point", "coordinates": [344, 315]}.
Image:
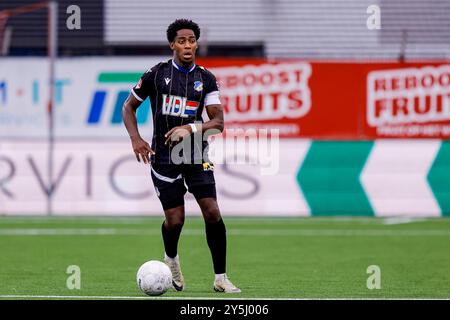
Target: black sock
{"type": "Point", "coordinates": [170, 238]}
{"type": "Point", "coordinates": [217, 243]}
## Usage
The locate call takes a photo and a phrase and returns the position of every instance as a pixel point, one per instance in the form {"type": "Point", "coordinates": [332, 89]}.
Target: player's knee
{"type": "Point", "coordinates": [211, 214]}
{"type": "Point", "coordinates": [175, 223]}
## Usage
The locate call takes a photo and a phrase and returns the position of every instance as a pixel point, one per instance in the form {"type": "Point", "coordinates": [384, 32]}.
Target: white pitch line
{"type": "Point", "coordinates": [232, 232]}
{"type": "Point", "coordinates": [141, 298]}
{"type": "Point", "coordinates": [149, 219]}
{"type": "Point", "coordinates": [401, 220]}
{"type": "Point", "coordinates": [193, 298]}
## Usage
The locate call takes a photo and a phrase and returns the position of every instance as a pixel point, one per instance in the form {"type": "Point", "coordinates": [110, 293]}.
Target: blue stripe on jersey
{"type": "Point", "coordinates": [183, 69]}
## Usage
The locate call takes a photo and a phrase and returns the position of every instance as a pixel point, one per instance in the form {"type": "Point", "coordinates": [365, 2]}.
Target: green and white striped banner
{"type": "Point", "coordinates": [309, 178]}
{"type": "Point", "coordinates": [377, 178]}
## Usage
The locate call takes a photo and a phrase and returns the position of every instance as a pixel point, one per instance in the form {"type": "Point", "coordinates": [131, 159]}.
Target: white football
{"type": "Point", "coordinates": [154, 278]}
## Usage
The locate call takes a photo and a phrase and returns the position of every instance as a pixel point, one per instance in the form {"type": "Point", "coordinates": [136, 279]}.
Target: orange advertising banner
{"type": "Point", "coordinates": [321, 100]}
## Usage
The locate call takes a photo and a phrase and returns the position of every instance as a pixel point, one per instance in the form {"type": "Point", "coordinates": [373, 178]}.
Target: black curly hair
{"type": "Point", "coordinates": [179, 24]}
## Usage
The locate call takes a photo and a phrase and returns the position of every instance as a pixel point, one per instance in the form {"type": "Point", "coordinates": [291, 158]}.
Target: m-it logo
{"type": "Point", "coordinates": [113, 93]}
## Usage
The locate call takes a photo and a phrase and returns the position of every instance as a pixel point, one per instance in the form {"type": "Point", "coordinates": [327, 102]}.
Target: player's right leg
{"type": "Point", "coordinates": [170, 190]}
{"type": "Point", "coordinates": [171, 230]}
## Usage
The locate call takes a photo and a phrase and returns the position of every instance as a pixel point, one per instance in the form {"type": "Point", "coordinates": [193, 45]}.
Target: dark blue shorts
{"type": "Point", "coordinates": [172, 181]}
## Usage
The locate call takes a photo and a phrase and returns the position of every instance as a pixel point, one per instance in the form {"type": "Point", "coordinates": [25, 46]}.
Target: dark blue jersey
{"type": "Point", "coordinates": [177, 97]}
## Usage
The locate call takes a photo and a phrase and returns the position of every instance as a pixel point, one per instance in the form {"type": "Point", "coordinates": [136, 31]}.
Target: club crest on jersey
{"type": "Point", "coordinates": [178, 106]}
{"type": "Point", "coordinates": [198, 86]}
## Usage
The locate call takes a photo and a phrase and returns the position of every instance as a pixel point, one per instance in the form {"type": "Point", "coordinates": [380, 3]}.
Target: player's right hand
{"type": "Point", "coordinates": [141, 149]}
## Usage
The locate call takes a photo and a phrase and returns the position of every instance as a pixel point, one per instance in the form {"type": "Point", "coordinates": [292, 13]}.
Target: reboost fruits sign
{"type": "Point", "coordinates": [266, 94]}
{"type": "Point", "coordinates": [409, 102]}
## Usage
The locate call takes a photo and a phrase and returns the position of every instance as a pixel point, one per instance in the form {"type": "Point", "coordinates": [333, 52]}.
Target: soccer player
{"type": "Point", "coordinates": [179, 90]}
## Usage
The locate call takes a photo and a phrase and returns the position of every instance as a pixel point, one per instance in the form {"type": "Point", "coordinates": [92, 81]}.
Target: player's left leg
{"type": "Point", "coordinates": [201, 183]}
{"type": "Point", "coordinates": [217, 243]}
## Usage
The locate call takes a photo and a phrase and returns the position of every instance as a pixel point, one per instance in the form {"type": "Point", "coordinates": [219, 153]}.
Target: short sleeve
{"type": "Point", "coordinates": [145, 86]}
{"type": "Point", "coordinates": [212, 91]}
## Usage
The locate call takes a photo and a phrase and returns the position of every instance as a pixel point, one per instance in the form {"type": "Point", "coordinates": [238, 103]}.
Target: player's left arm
{"type": "Point", "coordinates": [214, 110]}
{"type": "Point", "coordinates": [215, 114]}
{"type": "Point", "coordinates": [215, 125]}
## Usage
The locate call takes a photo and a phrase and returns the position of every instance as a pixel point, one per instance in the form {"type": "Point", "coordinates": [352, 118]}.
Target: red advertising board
{"type": "Point", "coordinates": [336, 100]}
{"type": "Point", "coordinates": [412, 101]}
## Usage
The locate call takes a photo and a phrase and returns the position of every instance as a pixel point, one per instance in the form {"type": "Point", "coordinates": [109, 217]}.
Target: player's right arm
{"type": "Point", "coordinates": [141, 147]}
{"type": "Point", "coordinates": [138, 94]}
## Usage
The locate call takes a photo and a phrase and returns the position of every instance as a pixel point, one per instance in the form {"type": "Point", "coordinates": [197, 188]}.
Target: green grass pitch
{"type": "Point", "coordinates": [303, 258]}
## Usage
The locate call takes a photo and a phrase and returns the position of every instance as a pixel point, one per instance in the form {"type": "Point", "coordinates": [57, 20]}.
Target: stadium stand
{"type": "Point", "coordinates": [274, 29]}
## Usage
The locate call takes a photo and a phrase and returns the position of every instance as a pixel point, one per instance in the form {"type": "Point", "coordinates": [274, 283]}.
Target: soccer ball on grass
{"type": "Point", "coordinates": [154, 278]}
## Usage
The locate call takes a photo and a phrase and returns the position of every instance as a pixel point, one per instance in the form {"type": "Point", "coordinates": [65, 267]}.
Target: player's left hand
{"type": "Point", "coordinates": [177, 134]}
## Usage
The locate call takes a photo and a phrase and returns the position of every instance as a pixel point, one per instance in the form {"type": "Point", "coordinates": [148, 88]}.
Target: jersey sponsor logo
{"type": "Point", "coordinates": [198, 86]}
{"type": "Point", "coordinates": [178, 106]}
